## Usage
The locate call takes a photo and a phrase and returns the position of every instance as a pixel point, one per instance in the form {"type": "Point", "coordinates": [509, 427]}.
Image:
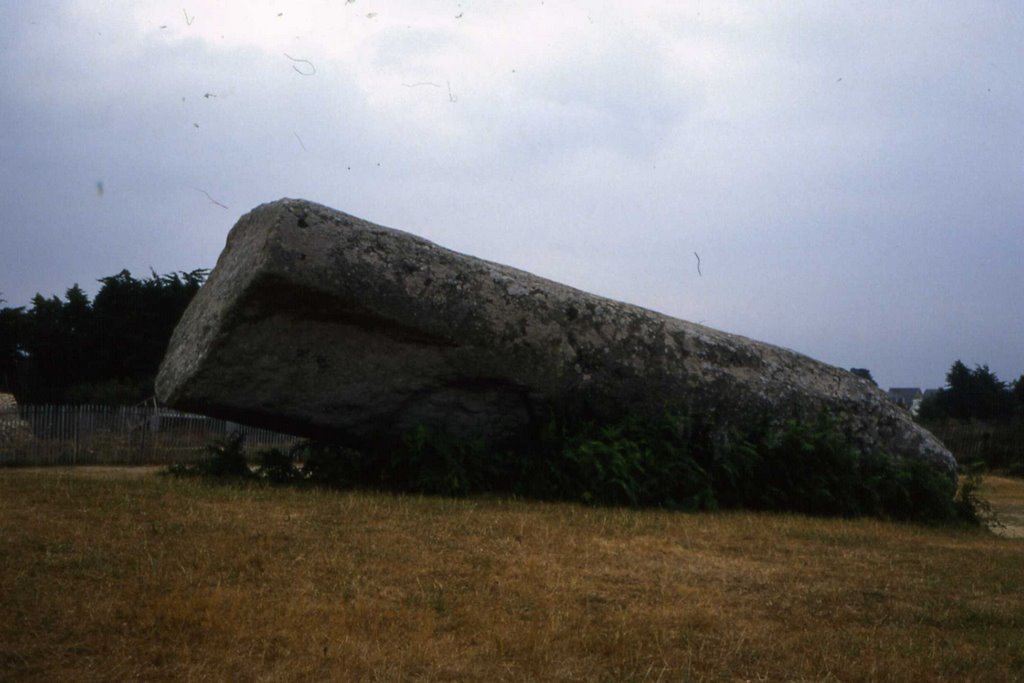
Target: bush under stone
{"type": "Point", "coordinates": [673, 462]}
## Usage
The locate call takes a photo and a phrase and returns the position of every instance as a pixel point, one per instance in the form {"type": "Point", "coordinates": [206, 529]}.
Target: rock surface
{"type": "Point", "coordinates": [12, 428]}
{"type": "Point", "coordinates": [325, 325]}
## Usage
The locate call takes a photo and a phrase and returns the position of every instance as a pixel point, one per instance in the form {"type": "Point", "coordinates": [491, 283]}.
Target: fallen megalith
{"type": "Point", "coordinates": [324, 325]}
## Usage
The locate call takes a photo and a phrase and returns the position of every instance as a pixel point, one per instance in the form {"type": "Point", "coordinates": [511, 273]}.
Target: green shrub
{"type": "Point", "coordinates": [636, 462]}
{"type": "Point", "coordinates": [225, 459]}
{"type": "Point", "coordinates": [436, 463]}
{"type": "Point", "coordinates": [811, 467]}
{"type": "Point", "coordinates": [970, 506]}
{"type": "Point", "coordinates": [673, 461]}
{"type": "Point", "coordinates": [328, 464]}
{"type": "Point", "coordinates": [278, 467]}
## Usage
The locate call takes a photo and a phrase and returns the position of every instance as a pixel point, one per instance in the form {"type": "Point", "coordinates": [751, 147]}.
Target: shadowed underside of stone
{"type": "Point", "coordinates": [324, 325]}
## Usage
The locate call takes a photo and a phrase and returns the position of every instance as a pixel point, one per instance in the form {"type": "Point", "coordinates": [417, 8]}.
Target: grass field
{"type": "Point", "coordinates": [121, 574]}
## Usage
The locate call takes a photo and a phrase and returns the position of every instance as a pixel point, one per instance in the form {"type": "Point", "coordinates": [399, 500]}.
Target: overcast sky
{"type": "Point", "coordinates": [850, 174]}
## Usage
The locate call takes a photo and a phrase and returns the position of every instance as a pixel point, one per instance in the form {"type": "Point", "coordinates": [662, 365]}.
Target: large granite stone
{"type": "Point", "coordinates": [325, 325]}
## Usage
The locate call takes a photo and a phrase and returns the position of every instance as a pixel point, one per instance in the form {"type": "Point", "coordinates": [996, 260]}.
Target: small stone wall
{"type": "Point", "coordinates": [11, 427]}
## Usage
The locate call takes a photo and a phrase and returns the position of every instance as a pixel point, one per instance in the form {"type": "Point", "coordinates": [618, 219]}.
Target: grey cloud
{"type": "Point", "coordinates": [870, 221]}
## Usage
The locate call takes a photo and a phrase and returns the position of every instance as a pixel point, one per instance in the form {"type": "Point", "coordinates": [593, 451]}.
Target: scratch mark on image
{"type": "Point", "coordinates": [300, 141]}
{"type": "Point", "coordinates": [210, 198]}
{"type": "Point", "coordinates": [188, 19]}
{"type": "Point", "coordinates": [416, 85]}
{"type": "Point", "coordinates": [302, 61]}
{"type": "Point", "coordinates": [698, 264]}
{"type": "Point", "coordinates": [451, 97]}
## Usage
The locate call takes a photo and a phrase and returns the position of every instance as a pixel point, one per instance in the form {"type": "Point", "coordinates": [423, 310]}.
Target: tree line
{"type": "Point", "coordinates": [106, 350]}
{"type": "Point", "coordinates": [980, 418]}
{"type": "Point", "coordinates": [976, 394]}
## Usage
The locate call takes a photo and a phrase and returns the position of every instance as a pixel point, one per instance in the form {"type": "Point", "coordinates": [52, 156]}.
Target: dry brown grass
{"type": "Point", "coordinates": [110, 577]}
{"type": "Point", "coordinates": [1007, 496]}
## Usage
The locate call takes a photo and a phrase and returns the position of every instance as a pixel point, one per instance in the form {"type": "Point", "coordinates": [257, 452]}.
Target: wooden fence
{"type": "Point", "coordinates": [121, 435]}
{"type": "Point", "coordinates": [998, 444]}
